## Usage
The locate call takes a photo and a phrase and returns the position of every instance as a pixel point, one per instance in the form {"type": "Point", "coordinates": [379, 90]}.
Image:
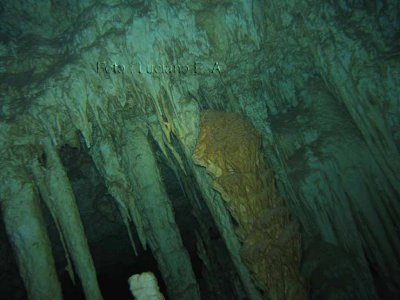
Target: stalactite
{"type": "Point", "coordinates": [230, 149]}
{"type": "Point", "coordinates": [64, 206]}
{"type": "Point", "coordinates": [40, 181]}
{"type": "Point", "coordinates": [105, 157]}
{"type": "Point", "coordinates": [368, 118]}
{"type": "Point", "coordinates": [161, 230]}
{"type": "Point", "coordinates": [27, 233]}
{"type": "Point", "coordinates": [225, 226]}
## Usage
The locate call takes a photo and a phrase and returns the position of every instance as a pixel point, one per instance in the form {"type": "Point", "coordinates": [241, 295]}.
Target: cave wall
{"type": "Point", "coordinates": [318, 81]}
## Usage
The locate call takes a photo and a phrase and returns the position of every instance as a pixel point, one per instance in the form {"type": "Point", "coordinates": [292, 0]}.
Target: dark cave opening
{"type": "Point", "coordinates": [113, 279]}
{"type": "Point", "coordinates": [11, 285]}
{"type": "Point", "coordinates": [112, 253]}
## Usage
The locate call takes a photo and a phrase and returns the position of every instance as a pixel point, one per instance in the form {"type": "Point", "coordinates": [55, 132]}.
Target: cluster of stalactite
{"type": "Point", "coordinates": [31, 174]}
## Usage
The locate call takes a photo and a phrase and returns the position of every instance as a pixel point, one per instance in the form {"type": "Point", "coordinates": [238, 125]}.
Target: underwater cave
{"type": "Point", "coordinates": [199, 149]}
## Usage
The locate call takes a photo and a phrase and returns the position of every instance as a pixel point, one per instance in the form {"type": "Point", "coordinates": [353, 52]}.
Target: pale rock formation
{"type": "Point", "coordinates": [144, 287]}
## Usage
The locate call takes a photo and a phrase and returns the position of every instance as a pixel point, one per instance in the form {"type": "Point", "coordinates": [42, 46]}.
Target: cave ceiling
{"type": "Point", "coordinates": [111, 100]}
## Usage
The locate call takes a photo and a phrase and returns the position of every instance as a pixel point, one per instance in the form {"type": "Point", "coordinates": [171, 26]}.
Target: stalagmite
{"type": "Point", "coordinates": [27, 233]}
{"type": "Point", "coordinates": [161, 230]}
{"type": "Point", "coordinates": [144, 287]}
{"type": "Point", "coordinates": [64, 207]}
